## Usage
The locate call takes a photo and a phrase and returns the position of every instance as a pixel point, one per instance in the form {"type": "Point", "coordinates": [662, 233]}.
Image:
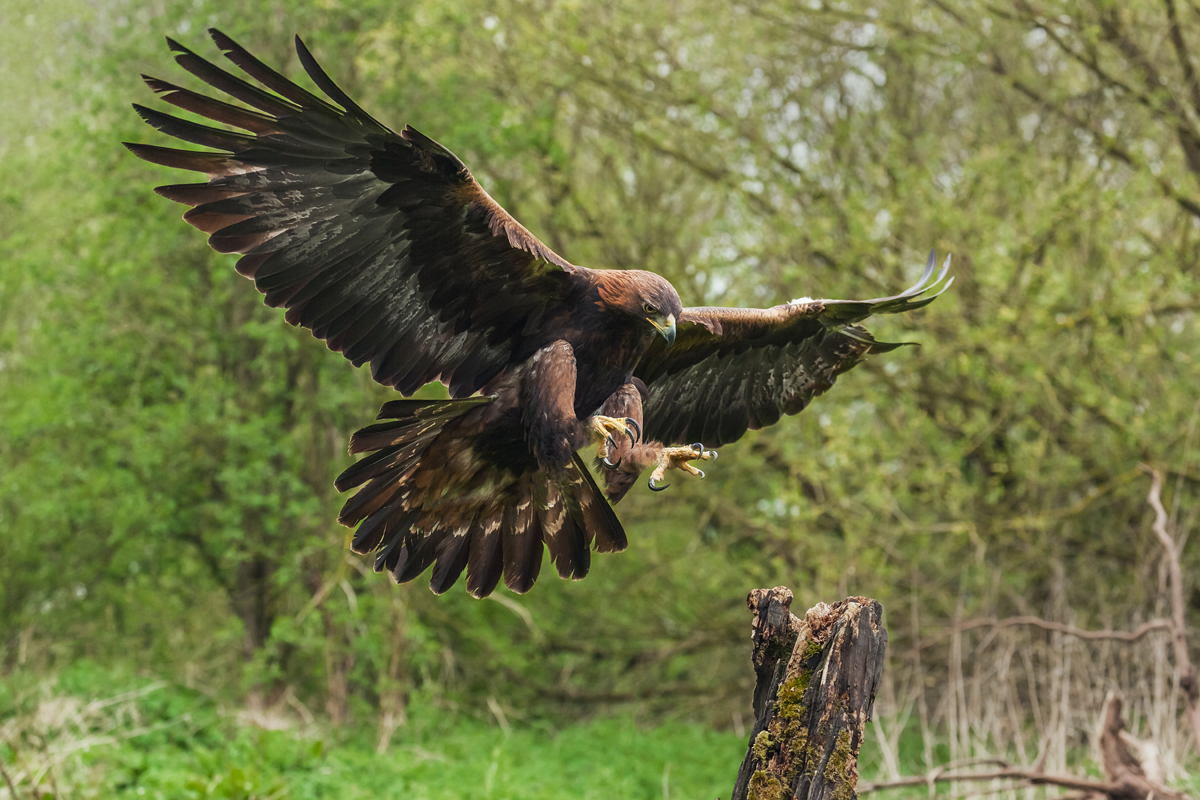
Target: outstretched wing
{"type": "Point", "coordinates": [382, 244]}
{"type": "Point", "coordinates": [737, 369]}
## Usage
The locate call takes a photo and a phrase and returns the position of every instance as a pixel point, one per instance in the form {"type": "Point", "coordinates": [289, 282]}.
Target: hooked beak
{"type": "Point", "coordinates": [666, 327]}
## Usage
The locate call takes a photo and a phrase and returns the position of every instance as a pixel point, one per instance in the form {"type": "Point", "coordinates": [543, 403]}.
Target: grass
{"type": "Point", "coordinates": [74, 736]}
{"type": "Point", "coordinates": [96, 732]}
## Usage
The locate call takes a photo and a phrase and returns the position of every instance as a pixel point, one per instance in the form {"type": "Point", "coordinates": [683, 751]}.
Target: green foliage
{"type": "Point", "coordinates": [167, 445]}
{"type": "Point", "coordinates": [172, 743]}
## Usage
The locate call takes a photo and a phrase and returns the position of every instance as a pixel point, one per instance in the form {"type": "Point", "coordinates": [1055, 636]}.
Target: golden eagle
{"type": "Point", "coordinates": [385, 246]}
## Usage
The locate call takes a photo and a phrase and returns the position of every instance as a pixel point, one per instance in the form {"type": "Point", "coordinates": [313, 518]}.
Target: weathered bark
{"type": "Point", "coordinates": [775, 630]}
{"type": "Point", "coordinates": [1137, 776]}
{"type": "Point", "coordinates": [816, 685]}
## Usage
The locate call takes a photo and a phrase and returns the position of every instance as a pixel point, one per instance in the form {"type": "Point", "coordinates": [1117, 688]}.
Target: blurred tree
{"type": "Point", "coordinates": [168, 444]}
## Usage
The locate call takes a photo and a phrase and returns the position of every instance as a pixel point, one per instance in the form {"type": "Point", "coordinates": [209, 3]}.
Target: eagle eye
{"type": "Point", "coordinates": [649, 309]}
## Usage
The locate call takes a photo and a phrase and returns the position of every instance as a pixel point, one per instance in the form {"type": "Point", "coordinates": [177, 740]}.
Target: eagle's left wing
{"type": "Point", "coordinates": [737, 369]}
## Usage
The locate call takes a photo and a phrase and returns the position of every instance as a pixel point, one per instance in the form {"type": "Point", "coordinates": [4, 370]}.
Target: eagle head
{"type": "Point", "coordinates": [642, 295]}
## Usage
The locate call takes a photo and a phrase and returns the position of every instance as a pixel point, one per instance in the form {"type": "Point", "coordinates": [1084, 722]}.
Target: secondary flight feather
{"type": "Point", "coordinates": [385, 246]}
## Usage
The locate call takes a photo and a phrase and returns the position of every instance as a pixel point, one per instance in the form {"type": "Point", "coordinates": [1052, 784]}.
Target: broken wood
{"type": "Point", "coordinates": [816, 681]}
{"type": "Point", "coordinates": [1128, 762]}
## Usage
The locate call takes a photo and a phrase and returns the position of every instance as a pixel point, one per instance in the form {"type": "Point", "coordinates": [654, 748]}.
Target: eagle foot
{"type": "Point", "coordinates": [679, 458]}
{"type": "Point", "coordinates": [605, 428]}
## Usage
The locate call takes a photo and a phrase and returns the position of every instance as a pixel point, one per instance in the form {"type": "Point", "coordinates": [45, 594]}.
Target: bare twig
{"type": "Point", "coordinates": [1127, 777]}
{"type": "Point", "coordinates": [12, 790]}
{"type": "Point", "coordinates": [1187, 675]}
{"type": "Point", "coordinates": [1070, 630]}
{"type": "Point", "coordinates": [124, 697]}
{"type": "Point", "coordinates": [1033, 777]}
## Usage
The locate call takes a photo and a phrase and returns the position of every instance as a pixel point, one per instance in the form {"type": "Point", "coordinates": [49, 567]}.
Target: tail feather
{"type": "Point", "coordinates": [569, 550]}
{"type": "Point", "coordinates": [371, 532]}
{"type": "Point", "coordinates": [521, 541]}
{"type": "Point", "coordinates": [598, 515]}
{"type": "Point", "coordinates": [368, 468]}
{"type": "Point", "coordinates": [425, 409]}
{"type": "Point", "coordinates": [388, 556]}
{"type": "Point", "coordinates": [485, 564]}
{"type": "Point", "coordinates": [450, 559]}
{"type": "Point", "coordinates": [417, 555]}
{"type": "Point", "coordinates": [429, 498]}
{"type": "Point", "coordinates": [386, 480]}
{"type": "Point", "coordinates": [396, 433]}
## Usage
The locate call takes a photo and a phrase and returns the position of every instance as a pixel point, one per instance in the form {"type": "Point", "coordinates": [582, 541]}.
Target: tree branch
{"type": "Point", "coordinates": [1129, 776]}
{"type": "Point", "coordinates": [1108, 143]}
{"type": "Point", "coordinates": [12, 790]}
{"type": "Point", "coordinates": [1181, 52]}
{"type": "Point", "coordinates": [1070, 630]}
{"type": "Point", "coordinates": [1154, 79]}
{"type": "Point", "coordinates": [1169, 111]}
{"type": "Point", "coordinates": [1031, 776]}
{"type": "Point", "coordinates": [1183, 662]}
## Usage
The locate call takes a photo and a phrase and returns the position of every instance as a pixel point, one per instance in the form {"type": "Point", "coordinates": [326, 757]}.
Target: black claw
{"type": "Point", "coordinates": [700, 474]}
{"type": "Point", "coordinates": [698, 448]}
{"type": "Point", "coordinates": [611, 465]}
{"type": "Point", "coordinates": [654, 488]}
{"type": "Point", "coordinates": [633, 423]}
{"type": "Point", "coordinates": [610, 442]}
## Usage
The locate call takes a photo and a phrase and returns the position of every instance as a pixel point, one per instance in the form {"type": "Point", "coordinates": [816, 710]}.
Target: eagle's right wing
{"type": "Point", "coordinates": [382, 244]}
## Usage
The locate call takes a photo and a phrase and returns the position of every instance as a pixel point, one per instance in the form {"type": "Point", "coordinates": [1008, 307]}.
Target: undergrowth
{"type": "Point", "coordinates": [87, 733]}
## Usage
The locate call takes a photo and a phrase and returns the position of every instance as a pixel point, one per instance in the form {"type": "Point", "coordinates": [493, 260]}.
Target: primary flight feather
{"type": "Point", "coordinates": [384, 246]}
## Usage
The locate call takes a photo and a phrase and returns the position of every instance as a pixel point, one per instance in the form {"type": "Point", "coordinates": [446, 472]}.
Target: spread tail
{"type": "Point", "coordinates": [451, 484]}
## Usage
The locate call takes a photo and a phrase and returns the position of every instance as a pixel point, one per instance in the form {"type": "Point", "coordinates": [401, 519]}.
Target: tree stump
{"type": "Point", "coordinates": [815, 688]}
{"type": "Point", "coordinates": [1132, 766]}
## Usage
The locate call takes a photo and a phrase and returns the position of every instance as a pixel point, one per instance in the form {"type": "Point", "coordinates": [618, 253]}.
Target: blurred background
{"type": "Point", "coordinates": [180, 616]}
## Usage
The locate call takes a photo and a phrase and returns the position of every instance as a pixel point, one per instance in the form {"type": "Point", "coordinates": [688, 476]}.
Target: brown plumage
{"type": "Point", "coordinates": [385, 246]}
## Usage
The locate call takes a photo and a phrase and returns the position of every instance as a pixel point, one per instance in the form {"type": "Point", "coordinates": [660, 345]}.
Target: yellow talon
{"type": "Point", "coordinates": [679, 458]}
{"type": "Point", "coordinates": [604, 428]}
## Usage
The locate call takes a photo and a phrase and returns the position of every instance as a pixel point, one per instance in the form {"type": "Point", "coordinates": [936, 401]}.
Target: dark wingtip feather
{"type": "Point", "coordinates": [326, 84]}
{"type": "Point", "coordinates": [180, 159]}
{"type": "Point", "coordinates": [145, 113]}
{"type": "Point", "coordinates": [195, 194]}
{"type": "Point", "coordinates": [157, 85]}
{"type": "Point", "coordinates": [203, 135]}
{"type": "Point", "coordinates": [269, 77]}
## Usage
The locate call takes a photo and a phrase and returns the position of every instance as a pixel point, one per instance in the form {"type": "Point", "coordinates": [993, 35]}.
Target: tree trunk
{"type": "Point", "coordinates": [816, 684]}
{"type": "Point", "coordinates": [252, 601]}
